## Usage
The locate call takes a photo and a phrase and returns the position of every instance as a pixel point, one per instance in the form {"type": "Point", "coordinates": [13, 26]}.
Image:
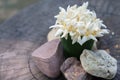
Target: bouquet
{"type": "Point", "coordinates": [78, 28]}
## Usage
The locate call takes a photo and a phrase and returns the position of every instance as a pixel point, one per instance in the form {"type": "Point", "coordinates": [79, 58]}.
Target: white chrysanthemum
{"type": "Point", "coordinates": [80, 23]}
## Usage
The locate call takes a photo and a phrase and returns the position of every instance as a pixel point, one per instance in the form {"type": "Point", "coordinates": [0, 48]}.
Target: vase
{"type": "Point", "coordinates": [75, 50]}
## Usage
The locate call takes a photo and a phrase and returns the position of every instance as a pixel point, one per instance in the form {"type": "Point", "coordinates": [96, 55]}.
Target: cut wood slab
{"type": "Point", "coordinates": [26, 31]}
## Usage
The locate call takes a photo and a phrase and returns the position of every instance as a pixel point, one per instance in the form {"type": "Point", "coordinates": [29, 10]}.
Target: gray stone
{"type": "Point", "coordinates": [73, 70]}
{"type": "Point", "coordinates": [49, 58]}
{"type": "Point", "coordinates": [95, 46]}
{"type": "Point", "coordinates": [99, 63]}
{"type": "Point", "coordinates": [51, 35]}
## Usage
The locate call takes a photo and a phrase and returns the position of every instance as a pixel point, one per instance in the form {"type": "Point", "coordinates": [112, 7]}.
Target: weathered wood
{"type": "Point", "coordinates": [23, 33]}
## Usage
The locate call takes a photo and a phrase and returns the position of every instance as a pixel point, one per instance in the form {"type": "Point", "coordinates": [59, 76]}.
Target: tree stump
{"type": "Point", "coordinates": [27, 30]}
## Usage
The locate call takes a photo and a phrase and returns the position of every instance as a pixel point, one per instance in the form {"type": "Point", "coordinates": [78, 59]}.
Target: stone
{"type": "Point", "coordinates": [73, 70]}
{"type": "Point", "coordinates": [99, 63]}
{"type": "Point", "coordinates": [95, 46]}
{"type": "Point", "coordinates": [51, 35]}
{"type": "Point", "coordinates": [49, 58]}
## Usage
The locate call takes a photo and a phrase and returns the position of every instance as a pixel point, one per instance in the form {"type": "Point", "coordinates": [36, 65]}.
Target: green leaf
{"type": "Point", "coordinates": [75, 50]}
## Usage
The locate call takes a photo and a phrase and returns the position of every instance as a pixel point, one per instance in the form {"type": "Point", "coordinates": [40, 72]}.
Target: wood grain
{"type": "Point", "coordinates": [27, 30]}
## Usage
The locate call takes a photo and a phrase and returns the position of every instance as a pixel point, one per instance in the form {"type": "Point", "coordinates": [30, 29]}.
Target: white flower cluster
{"type": "Point", "coordinates": [80, 23]}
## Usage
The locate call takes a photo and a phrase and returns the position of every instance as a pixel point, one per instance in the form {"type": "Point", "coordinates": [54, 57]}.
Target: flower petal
{"type": "Point", "coordinates": [92, 37]}
{"type": "Point", "coordinates": [65, 33]}
{"type": "Point", "coordinates": [56, 26]}
{"type": "Point", "coordinates": [84, 39]}
{"type": "Point", "coordinates": [62, 9]}
{"type": "Point", "coordinates": [59, 32]}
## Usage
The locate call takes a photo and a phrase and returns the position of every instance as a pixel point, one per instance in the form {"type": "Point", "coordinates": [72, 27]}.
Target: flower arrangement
{"type": "Point", "coordinates": [78, 28]}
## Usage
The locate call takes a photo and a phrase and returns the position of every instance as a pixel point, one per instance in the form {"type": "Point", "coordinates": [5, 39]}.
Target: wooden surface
{"type": "Point", "coordinates": [23, 33]}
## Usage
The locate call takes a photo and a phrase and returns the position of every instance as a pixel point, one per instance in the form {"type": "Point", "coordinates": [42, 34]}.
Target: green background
{"type": "Point", "coordinates": [8, 8]}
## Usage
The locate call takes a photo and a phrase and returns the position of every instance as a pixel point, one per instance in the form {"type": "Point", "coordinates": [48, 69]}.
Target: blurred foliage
{"type": "Point", "coordinates": [9, 8]}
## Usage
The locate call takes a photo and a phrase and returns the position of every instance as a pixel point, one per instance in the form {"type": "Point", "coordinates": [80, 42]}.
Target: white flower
{"type": "Point", "coordinates": [80, 23]}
